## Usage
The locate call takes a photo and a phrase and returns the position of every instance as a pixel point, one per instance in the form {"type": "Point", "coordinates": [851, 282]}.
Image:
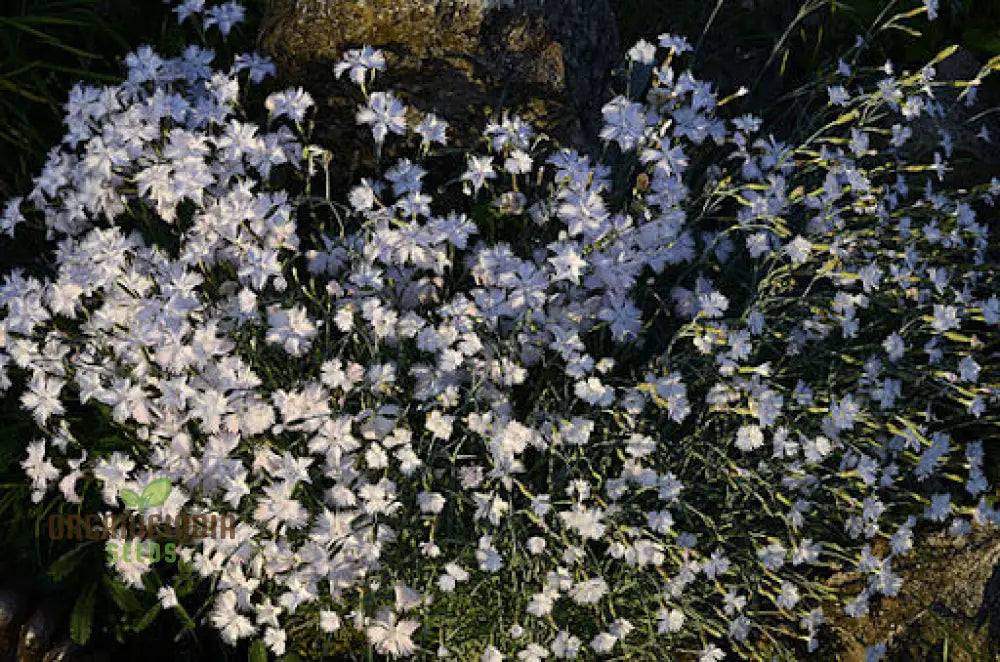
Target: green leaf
{"type": "Point", "coordinates": [147, 618]}
{"type": "Point", "coordinates": [129, 498]}
{"type": "Point", "coordinates": [82, 619]}
{"type": "Point", "coordinates": [982, 41]}
{"type": "Point", "coordinates": [944, 54]}
{"type": "Point", "coordinates": [65, 564]}
{"type": "Point", "coordinates": [184, 617]}
{"type": "Point", "coordinates": [258, 653]}
{"type": "Point", "coordinates": [122, 595]}
{"type": "Point", "coordinates": [156, 492]}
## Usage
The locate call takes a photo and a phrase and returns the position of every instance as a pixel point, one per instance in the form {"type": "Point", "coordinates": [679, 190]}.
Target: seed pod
{"type": "Point", "coordinates": [13, 611]}
{"type": "Point", "coordinates": [39, 633]}
{"type": "Point", "coordinates": [642, 182]}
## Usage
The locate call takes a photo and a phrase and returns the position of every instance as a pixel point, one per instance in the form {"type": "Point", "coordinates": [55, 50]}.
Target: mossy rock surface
{"type": "Point", "coordinates": [548, 61]}
{"type": "Point", "coordinates": [950, 601]}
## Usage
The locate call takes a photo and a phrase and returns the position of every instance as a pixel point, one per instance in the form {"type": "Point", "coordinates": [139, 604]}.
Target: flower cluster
{"type": "Point", "coordinates": [564, 408]}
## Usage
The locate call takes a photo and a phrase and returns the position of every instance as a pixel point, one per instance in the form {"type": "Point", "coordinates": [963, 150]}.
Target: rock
{"type": "Point", "coordinates": [548, 60]}
{"type": "Point", "coordinates": [950, 591]}
{"type": "Point", "coordinates": [989, 611]}
{"type": "Point", "coordinates": [13, 611]}
{"type": "Point", "coordinates": [64, 651]}
{"type": "Point", "coordinates": [41, 631]}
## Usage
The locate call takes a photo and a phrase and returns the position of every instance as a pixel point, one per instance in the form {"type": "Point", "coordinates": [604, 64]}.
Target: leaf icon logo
{"type": "Point", "coordinates": [153, 495]}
